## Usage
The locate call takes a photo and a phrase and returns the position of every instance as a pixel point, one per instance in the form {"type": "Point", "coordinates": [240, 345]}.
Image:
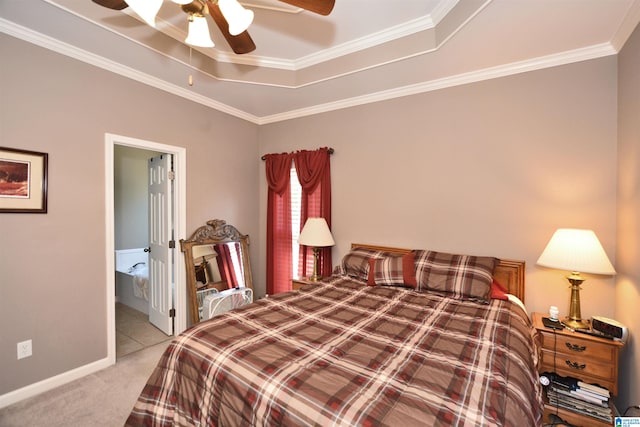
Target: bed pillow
{"type": "Point", "coordinates": [463, 277]}
{"type": "Point", "coordinates": [393, 271]}
{"type": "Point", "coordinates": [498, 291]}
{"type": "Point", "coordinates": [356, 262]}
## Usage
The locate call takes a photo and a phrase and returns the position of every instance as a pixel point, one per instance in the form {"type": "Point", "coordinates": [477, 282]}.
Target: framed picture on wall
{"type": "Point", "coordinates": [23, 181]}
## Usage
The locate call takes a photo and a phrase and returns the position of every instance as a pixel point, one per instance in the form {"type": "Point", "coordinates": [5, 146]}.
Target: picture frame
{"type": "Point", "coordinates": [23, 181]}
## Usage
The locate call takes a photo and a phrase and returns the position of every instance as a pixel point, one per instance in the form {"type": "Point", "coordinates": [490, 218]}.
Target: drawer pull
{"type": "Point", "coordinates": [576, 347]}
{"type": "Point", "coordinates": [575, 365]}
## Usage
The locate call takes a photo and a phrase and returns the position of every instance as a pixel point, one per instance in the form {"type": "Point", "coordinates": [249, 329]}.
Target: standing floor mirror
{"type": "Point", "coordinates": [217, 260]}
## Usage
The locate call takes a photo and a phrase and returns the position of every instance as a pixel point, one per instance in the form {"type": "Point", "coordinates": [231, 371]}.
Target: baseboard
{"type": "Point", "coordinates": [53, 382]}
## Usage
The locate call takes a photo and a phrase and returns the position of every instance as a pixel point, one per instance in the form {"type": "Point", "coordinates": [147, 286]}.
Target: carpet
{"type": "Point", "coordinates": [102, 399]}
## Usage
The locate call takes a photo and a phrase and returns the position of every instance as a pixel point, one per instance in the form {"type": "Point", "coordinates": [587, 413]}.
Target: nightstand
{"type": "Point", "coordinates": [298, 283]}
{"type": "Point", "coordinates": [591, 359]}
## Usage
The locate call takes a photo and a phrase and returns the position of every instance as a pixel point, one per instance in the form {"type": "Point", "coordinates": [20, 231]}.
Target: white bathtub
{"type": "Point", "coordinates": [132, 278]}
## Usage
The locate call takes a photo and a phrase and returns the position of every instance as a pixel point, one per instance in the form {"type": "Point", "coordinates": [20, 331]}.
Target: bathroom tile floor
{"type": "Point", "coordinates": [134, 332]}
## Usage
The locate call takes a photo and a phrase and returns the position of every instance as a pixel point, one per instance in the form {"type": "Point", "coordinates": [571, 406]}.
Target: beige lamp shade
{"type": "Point", "coordinates": [203, 251]}
{"type": "Point", "coordinates": [316, 233]}
{"type": "Point", "coordinates": [576, 250]}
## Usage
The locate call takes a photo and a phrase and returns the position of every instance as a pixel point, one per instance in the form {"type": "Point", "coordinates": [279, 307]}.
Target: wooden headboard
{"type": "Point", "coordinates": [509, 273]}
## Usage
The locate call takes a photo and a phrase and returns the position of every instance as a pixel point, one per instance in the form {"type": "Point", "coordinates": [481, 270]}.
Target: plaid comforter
{"type": "Point", "coordinates": [341, 353]}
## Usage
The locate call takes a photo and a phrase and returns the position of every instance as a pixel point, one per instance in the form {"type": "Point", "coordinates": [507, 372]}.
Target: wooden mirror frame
{"type": "Point", "coordinates": [215, 231]}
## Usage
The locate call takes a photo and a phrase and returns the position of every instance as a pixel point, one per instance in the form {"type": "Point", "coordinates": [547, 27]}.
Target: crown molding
{"type": "Point", "coordinates": [441, 10]}
{"type": "Point", "coordinates": [390, 34]}
{"type": "Point", "coordinates": [584, 54]}
{"type": "Point", "coordinates": [629, 24]}
{"type": "Point", "coordinates": [393, 33]}
{"type": "Point", "coordinates": [424, 23]}
{"type": "Point", "coordinates": [578, 55]}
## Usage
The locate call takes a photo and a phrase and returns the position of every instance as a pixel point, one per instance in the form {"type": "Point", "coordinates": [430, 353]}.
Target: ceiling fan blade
{"type": "Point", "coordinates": [242, 43]}
{"type": "Point", "coordinates": [322, 7]}
{"type": "Point", "coordinates": [112, 4]}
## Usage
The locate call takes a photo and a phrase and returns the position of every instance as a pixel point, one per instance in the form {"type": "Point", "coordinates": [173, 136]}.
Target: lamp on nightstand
{"type": "Point", "coordinates": [577, 251]}
{"type": "Point", "coordinates": [316, 234]}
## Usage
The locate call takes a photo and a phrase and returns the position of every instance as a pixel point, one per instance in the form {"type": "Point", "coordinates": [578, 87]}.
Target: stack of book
{"type": "Point", "coordinates": [578, 396]}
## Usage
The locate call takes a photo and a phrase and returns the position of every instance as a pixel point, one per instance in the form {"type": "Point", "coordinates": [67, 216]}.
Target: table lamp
{"type": "Point", "coordinates": [206, 252]}
{"type": "Point", "coordinates": [316, 234]}
{"type": "Point", "coordinates": [577, 251]}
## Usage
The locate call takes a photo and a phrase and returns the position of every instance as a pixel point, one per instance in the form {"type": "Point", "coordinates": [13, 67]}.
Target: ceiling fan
{"type": "Point", "coordinates": [231, 18]}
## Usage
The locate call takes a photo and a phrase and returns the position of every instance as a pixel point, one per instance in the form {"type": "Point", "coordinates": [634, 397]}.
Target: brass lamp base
{"type": "Point", "coordinates": [575, 324]}
{"type": "Point", "coordinates": [315, 277]}
{"type": "Point", "coordinates": [574, 320]}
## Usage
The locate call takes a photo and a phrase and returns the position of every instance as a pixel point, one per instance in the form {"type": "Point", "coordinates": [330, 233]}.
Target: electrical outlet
{"type": "Point", "coordinates": [24, 349]}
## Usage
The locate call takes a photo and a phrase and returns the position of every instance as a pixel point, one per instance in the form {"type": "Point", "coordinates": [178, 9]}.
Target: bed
{"type": "Point", "coordinates": [376, 344]}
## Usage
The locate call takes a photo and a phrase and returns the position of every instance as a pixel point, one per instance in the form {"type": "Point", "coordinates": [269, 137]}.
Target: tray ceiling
{"type": "Point", "coordinates": [364, 51]}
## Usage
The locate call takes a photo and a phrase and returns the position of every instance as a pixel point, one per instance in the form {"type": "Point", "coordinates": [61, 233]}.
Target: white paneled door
{"type": "Point", "coordinates": [160, 235]}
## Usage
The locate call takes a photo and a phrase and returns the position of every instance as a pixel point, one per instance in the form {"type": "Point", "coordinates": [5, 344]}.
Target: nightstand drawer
{"type": "Point", "coordinates": [575, 346]}
{"type": "Point", "coordinates": [592, 370]}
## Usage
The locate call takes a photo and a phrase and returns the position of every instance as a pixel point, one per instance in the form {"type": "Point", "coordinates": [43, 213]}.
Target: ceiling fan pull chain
{"type": "Point", "coordinates": [190, 75]}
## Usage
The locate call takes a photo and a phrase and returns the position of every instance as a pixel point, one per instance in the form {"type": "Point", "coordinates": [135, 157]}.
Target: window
{"type": "Point", "coordinates": [296, 206]}
{"type": "Point", "coordinates": [290, 201]}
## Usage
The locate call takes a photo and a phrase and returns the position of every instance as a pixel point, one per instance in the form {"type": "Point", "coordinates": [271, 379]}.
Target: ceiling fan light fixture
{"type": "Point", "coordinates": [182, 1]}
{"type": "Point", "coordinates": [198, 32]}
{"type": "Point", "coordinates": [237, 16]}
{"type": "Point", "coordinates": [146, 9]}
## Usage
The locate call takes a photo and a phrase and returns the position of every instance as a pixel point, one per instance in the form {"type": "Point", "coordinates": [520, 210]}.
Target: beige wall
{"type": "Point", "coordinates": [489, 168]}
{"type": "Point", "coordinates": [628, 284]}
{"type": "Point", "coordinates": [130, 196]}
{"type": "Point", "coordinates": [52, 266]}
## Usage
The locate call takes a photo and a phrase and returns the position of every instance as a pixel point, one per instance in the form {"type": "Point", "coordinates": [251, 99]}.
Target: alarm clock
{"type": "Point", "coordinates": [610, 327]}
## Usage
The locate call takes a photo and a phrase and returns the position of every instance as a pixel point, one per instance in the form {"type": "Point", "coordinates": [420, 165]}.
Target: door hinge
{"type": "Point", "coordinates": [172, 312]}
{"type": "Point", "coordinates": [171, 175]}
{"type": "Point", "coordinates": [172, 244]}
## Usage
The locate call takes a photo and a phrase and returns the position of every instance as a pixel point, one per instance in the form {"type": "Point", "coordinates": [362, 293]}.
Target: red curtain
{"type": "Point", "coordinates": [225, 264]}
{"type": "Point", "coordinates": [314, 173]}
{"type": "Point", "coordinates": [279, 268]}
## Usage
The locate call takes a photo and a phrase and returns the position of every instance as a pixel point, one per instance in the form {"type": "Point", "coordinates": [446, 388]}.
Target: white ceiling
{"type": "Point", "coordinates": [364, 51]}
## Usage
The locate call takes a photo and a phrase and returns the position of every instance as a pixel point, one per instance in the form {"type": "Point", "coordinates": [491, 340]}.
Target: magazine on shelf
{"type": "Point", "coordinates": [574, 384]}
{"type": "Point", "coordinates": [594, 389]}
{"type": "Point", "coordinates": [573, 395]}
{"type": "Point", "coordinates": [579, 397]}
{"type": "Point", "coordinates": [587, 395]}
{"type": "Point", "coordinates": [585, 410]}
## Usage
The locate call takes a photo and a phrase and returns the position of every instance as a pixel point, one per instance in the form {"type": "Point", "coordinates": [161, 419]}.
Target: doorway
{"type": "Point", "coordinates": [112, 143]}
{"type": "Point", "coordinates": [131, 236]}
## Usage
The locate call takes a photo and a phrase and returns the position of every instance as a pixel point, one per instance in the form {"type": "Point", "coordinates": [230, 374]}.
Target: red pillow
{"type": "Point", "coordinates": [498, 291]}
{"type": "Point", "coordinates": [393, 271]}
